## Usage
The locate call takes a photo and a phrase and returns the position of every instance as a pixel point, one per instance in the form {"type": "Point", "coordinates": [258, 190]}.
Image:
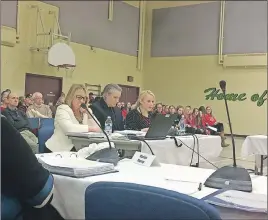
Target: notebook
{"type": "Point", "coordinates": [75, 167]}
{"type": "Point", "coordinates": [234, 199]}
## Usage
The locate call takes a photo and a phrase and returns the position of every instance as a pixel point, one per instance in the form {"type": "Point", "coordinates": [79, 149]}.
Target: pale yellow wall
{"type": "Point", "coordinates": [98, 67]}
{"type": "Point", "coordinates": [182, 80]}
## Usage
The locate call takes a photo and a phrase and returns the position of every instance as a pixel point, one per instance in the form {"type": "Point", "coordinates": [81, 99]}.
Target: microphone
{"type": "Point", "coordinates": [84, 106]}
{"type": "Point", "coordinates": [230, 177]}
{"type": "Point", "coordinates": [110, 156]}
{"type": "Point", "coordinates": [223, 86]}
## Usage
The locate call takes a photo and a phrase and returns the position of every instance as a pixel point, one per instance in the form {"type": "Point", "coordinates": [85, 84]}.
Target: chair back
{"type": "Point", "coordinates": [10, 208]}
{"type": "Point", "coordinates": [45, 132]}
{"type": "Point", "coordinates": [113, 200]}
{"type": "Point", "coordinates": [34, 123]}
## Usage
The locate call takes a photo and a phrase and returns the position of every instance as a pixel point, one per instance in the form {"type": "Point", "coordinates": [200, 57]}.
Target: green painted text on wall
{"type": "Point", "coordinates": [215, 94]}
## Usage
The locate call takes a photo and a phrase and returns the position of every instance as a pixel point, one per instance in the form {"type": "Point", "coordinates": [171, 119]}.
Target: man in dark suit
{"type": "Point", "coordinates": [106, 106]}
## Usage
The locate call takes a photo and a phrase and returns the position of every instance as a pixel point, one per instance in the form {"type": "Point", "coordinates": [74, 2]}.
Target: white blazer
{"type": "Point", "coordinates": [65, 122]}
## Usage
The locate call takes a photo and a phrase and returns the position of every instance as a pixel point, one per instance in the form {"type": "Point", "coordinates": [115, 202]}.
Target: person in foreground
{"type": "Point", "coordinates": [70, 117]}
{"type": "Point", "coordinates": [140, 117]}
{"type": "Point", "coordinates": [26, 187]}
{"type": "Point", "coordinates": [106, 106]}
{"type": "Point", "coordinates": [210, 120]}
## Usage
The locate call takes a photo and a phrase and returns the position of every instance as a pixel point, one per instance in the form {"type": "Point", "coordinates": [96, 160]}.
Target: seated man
{"type": "Point", "coordinates": [26, 187]}
{"type": "Point", "coordinates": [106, 106]}
{"type": "Point", "coordinates": [27, 101]}
{"type": "Point", "coordinates": [38, 109]}
{"type": "Point", "coordinates": [20, 121]}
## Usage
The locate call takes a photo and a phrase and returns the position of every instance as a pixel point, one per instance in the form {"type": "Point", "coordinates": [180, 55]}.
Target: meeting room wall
{"type": "Point", "coordinates": [111, 58]}
{"type": "Point", "coordinates": [181, 58]}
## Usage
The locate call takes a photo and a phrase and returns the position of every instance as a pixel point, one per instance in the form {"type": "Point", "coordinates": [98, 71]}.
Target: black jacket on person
{"type": "Point", "coordinates": [17, 118]}
{"type": "Point", "coordinates": [24, 181]}
{"type": "Point", "coordinates": [101, 111]}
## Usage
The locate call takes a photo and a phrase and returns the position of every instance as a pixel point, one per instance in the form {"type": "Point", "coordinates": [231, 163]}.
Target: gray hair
{"type": "Point", "coordinates": [36, 94]}
{"type": "Point", "coordinates": [108, 89]}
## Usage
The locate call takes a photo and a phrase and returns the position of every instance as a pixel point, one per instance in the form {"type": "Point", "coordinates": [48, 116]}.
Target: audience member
{"type": "Point", "coordinates": [195, 123]}
{"type": "Point", "coordinates": [20, 121]}
{"type": "Point", "coordinates": [209, 119]}
{"type": "Point", "coordinates": [187, 111]}
{"type": "Point", "coordinates": [38, 109]}
{"type": "Point", "coordinates": [158, 108]}
{"type": "Point", "coordinates": [179, 112]}
{"type": "Point", "coordinates": [60, 99]}
{"type": "Point", "coordinates": [128, 107]}
{"type": "Point", "coordinates": [118, 105]}
{"type": "Point", "coordinates": [70, 117]}
{"type": "Point", "coordinates": [106, 106]}
{"type": "Point", "coordinates": [166, 109]}
{"type": "Point", "coordinates": [90, 98]}
{"type": "Point", "coordinates": [172, 109]}
{"type": "Point", "coordinates": [140, 117]}
{"type": "Point", "coordinates": [123, 110]}
{"type": "Point", "coordinates": [4, 101]}
{"type": "Point", "coordinates": [27, 101]}
{"type": "Point", "coordinates": [24, 180]}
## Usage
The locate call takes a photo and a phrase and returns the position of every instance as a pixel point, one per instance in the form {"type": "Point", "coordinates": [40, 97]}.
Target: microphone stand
{"type": "Point", "coordinates": [230, 126]}
{"type": "Point", "coordinates": [232, 176]}
{"type": "Point", "coordinates": [104, 132]}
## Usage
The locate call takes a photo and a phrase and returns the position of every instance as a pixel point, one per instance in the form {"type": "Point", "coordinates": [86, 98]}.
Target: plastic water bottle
{"type": "Point", "coordinates": [108, 125]}
{"type": "Point", "coordinates": [182, 125]}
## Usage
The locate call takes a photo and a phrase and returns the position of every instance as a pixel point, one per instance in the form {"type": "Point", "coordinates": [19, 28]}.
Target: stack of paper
{"type": "Point", "coordinates": [250, 202]}
{"type": "Point", "coordinates": [75, 167]}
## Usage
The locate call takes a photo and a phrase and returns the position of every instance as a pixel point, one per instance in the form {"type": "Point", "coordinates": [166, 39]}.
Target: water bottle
{"type": "Point", "coordinates": [108, 125]}
{"type": "Point", "coordinates": [182, 125]}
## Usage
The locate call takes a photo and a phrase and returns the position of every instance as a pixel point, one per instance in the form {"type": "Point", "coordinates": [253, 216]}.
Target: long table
{"type": "Point", "coordinates": [166, 150]}
{"type": "Point", "coordinates": [69, 192]}
{"type": "Point", "coordinates": [256, 145]}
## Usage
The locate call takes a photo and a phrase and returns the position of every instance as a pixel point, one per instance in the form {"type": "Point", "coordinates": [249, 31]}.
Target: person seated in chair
{"type": "Point", "coordinates": [107, 106]}
{"type": "Point", "coordinates": [20, 121]}
{"type": "Point", "coordinates": [25, 103]}
{"type": "Point", "coordinates": [4, 101]}
{"type": "Point", "coordinates": [70, 117]}
{"type": "Point", "coordinates": [26, 187]}
{"type": "Point", "coordinates": [210, 120]}
{"type": "Point", "coordinates": [140, 117]}
{"type": "Point", "coordinates": [194, 123]}
{"type": "Point", "coordinates": [38, 109]}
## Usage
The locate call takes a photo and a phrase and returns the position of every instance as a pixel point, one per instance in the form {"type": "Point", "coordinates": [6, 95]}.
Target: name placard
{"type": "Point", "coordinates": [144, 159]}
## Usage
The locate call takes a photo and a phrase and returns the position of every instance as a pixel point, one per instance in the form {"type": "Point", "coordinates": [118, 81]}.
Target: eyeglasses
{"type": "Point", "coordinates": [79, 97]}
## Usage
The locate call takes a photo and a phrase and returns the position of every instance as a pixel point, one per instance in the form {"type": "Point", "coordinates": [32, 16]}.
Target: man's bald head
{"type": "Point", "coordinates": [13, 100]}
{"type": "Point", "coordinates": [37, 98]}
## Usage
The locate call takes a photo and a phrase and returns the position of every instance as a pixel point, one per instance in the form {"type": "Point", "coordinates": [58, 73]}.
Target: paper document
{"type": "Point", "coordinates": [212, 128]}
{"type": "Point", "coordinates": [250, 202]}
{"type": "Point", "coordinates": [75, 167]}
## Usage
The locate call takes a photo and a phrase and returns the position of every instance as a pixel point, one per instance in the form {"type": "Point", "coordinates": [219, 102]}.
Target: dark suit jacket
{"type": "Point", "coordinates": [102, 111]}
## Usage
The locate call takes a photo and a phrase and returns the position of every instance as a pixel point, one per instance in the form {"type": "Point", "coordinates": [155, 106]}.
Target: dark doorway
{"type": "Point", "coordinates": [49, 86]}
{"type": "Point", "coordinates": [129, 94]}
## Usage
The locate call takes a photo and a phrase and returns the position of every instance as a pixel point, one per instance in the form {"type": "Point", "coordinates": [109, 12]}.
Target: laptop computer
{"type": "Point", "coordinates": [158, 130]}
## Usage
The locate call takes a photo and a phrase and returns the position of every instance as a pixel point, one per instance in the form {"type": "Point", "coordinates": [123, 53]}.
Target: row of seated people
{"type": "Point", "coordinates": [70, 117]}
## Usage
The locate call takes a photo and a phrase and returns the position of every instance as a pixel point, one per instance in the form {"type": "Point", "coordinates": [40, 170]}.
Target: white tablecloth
{"type": "Point", "coordinates": [69, 192]}
{"type": "Point", "coordinates": [256, 144]}
{"type": "Point", "coordinates": [167, 152]}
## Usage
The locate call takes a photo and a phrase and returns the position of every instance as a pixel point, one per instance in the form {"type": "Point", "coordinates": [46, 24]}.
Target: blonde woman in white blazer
{"type": "Point", "coordinates": [70, 117]}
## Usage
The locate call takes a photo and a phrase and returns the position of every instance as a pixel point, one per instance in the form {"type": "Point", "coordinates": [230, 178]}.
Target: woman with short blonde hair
{"type": "Point", "coordinates": [70, 117]}
{"type": "Point", "coordinates": [140, 117]}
